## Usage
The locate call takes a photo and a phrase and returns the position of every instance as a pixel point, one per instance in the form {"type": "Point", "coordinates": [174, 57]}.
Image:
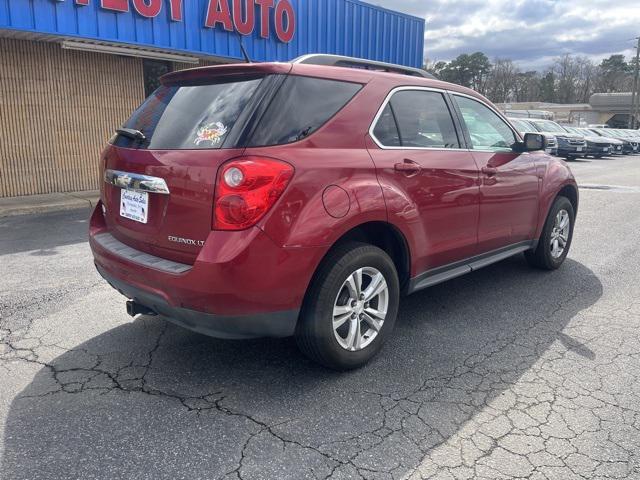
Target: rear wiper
{"type": "Point", "coordinates": [131, 133]}
{"type": "Point", "coordinates": [304, 133]}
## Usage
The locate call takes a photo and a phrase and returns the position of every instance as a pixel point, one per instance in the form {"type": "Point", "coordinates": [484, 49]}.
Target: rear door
{"type": "Point", "coordinates": [508, 180]}
{"type": "Point", "coordinates": [418, 152]}
{"type": "Point", "coordinates": [177, 139]}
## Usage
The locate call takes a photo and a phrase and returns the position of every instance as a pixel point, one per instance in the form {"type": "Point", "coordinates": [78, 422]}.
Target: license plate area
{"type": "Point", "coordinates": [134, 205]}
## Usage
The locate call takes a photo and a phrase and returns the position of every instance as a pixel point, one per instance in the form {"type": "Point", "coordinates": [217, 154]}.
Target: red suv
{"type": "Point", "coordinates": [280, 199]}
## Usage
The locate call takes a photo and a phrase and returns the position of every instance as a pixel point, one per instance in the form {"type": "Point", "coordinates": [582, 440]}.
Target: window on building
{"type": "Point", "coordinates": [152, 71]}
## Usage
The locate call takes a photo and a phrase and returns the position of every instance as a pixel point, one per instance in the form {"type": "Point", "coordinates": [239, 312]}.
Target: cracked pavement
{"type": "Point", "coordinates": [507, 372]}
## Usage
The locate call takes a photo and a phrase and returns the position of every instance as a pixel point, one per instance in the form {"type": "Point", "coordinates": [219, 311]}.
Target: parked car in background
{"type": "Point", "coordinates": [617, 146]}
{"type": "Point", "coordinates": [523, 126]}
{"type": "Point", "coordinates": [597, 146]}
{"type": "Point", "coordinates": [633, 136]}
{"type": "Point", "coordinates": [570, 145]}
{"type": "Point", "coordinates": [627, 145]}
{"type": "Point", "coordinates": [278, 199]}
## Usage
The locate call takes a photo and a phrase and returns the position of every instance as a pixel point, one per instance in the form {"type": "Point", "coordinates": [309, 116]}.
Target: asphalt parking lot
{"type": "Point", "coordinates": [508, 372]}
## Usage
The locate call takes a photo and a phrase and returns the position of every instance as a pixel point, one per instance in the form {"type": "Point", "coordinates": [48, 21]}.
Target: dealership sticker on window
{"type": "Point", "coordinates": [212, 132]}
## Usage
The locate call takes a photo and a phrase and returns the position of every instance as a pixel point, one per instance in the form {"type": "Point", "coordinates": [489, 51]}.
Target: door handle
{"type": "Point", "coordinates": [408, 167]}
{"type": "Point", "coordinates": [489, 171]}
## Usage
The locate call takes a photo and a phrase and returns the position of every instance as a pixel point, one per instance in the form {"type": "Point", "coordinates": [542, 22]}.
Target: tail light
{"type": "Point", "coordinates": [246, 189]}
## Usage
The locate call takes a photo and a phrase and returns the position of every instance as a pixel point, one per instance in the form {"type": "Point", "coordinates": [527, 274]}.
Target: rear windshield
{"type": "Point", "coordinates": [301, 106]}
{"type": "Point", "coordinates": [179, 117]}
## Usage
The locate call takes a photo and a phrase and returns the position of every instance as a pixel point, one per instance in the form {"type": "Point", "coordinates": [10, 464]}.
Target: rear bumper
{"type": "Point", "coordinates": [241, 285]}
{"type": "Point", "coordinates": [273, 324]}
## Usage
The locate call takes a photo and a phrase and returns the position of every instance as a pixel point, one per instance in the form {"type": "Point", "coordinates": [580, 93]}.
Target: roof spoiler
{"type": "Point", "coordinates": [362, 63]}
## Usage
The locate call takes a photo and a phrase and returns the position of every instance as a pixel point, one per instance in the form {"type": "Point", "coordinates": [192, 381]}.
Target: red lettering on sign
{"type": "Point", "coordinates": [283, 8]}
{"type": "Point", "coordinates": [265, 6]}
{"type": "Point", "coordinates": [148, 8]}
{"type": "Point", "coordinates": [117, 5]}
{"type": "Point", "coordinates": [82, 2]}
{"type": "Point", "coordinates": [176, 10]}
{"type": "Point", "coordinates": [219, 14]}
{"type": "Point", "coordinates": [244, 27]}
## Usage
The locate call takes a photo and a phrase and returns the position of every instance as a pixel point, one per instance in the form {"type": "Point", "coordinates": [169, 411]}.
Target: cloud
{"type": "Point", "coordinates": [530, 32]}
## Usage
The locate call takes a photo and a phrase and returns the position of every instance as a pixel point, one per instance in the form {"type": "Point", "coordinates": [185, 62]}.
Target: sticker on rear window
{"type": "Point", "coordinates": [212, 132]}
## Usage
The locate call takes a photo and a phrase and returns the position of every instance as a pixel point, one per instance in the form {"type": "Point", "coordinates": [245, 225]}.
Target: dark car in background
{"type": "Point", "coordinates": [597, 146]}
{"type": "Point", "coordinates": [570, 145]}
{"type": "Point", "coordinates": [628, 146]}
{"type": "Point", "coordinates": [617, 146]}
{"type": "Point", "coordinates": [523, 126]}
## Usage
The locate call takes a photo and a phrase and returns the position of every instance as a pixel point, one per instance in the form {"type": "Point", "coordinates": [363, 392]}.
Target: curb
{"type": "Point", "coordinates": [54, 202]}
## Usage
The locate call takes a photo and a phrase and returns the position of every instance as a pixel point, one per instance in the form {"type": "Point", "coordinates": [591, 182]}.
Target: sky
{"type": "Point", "coordinates": [530, 32]}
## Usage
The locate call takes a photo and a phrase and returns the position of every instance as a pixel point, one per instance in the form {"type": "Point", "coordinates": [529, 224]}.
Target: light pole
{"type": "Point", "coordinates": [635, 94]}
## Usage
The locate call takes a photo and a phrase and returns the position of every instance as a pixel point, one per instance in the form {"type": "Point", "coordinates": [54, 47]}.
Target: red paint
{"type": "Point", "coordinates": [218, 12]}
{"type": "Point", "coordinates": [82, 2]}
{"type": "Point", "coordinates": [265, 7]}
{"type": "Point", "coordinates": [284, 9]}
{"type": "Point", "coordinates": [117, 5]}
{"type": "Point", "coordinates": [175, 7]}
{"type": "Point", "coordinates": [449, 211]}
{"type": "Point", "coordinates": [245, 25]}
{"type": "Point", "coordinates": [148, 8]}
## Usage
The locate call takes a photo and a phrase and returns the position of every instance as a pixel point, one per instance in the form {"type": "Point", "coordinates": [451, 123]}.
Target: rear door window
{"type": "Point", "coordinates": [180, 117]}
{"type": "Point", "coordinates": [416, 119]}
{"type": "Point", "coordinates": [301, 106]}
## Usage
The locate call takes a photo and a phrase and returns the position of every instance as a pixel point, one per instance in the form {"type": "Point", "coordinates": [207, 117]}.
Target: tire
{"type": "Point", "coordinates": [543, 256]}
{"type": "Point", "coordinates": [315, 334]}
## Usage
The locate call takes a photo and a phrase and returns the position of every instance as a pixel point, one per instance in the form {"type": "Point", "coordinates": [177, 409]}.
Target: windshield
{"type": "Point", "coordinates": [548, 126]}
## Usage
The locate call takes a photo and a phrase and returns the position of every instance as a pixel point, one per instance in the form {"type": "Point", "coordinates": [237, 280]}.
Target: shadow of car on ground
{"type": "Point", "coordinates": [150, 400]}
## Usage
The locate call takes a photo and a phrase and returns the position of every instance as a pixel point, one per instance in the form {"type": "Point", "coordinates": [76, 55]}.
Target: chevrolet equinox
{"type": "Point", "coordinates": [305, 198]}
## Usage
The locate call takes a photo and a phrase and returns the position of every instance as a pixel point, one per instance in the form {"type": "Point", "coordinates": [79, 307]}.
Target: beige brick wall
{"type": "Point", "coordinates": [57, 110]}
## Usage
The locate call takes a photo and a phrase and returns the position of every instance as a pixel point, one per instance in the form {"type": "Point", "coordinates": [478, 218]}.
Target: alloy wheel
{"type": "Point", "coordinates": [560, 234]}
{"type": "Point", "coordinates": [360, 308]}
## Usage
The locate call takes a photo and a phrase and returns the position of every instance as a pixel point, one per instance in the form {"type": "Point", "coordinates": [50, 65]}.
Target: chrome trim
{"type": "Point", "coordinates": [136, 181]}
{"type": "Point", "coordinates": [442, 91]}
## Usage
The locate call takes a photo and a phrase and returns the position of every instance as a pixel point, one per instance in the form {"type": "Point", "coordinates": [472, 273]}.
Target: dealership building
{"type": "Point", "coordinates": [71, 71]}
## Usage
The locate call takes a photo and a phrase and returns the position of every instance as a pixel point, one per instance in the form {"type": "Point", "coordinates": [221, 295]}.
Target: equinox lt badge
{"type": "Point", "coordinates": [186, 241]}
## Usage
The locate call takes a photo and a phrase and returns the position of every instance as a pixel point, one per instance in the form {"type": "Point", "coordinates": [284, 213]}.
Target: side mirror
{"type": "Point", "coordinates": [534, 141]}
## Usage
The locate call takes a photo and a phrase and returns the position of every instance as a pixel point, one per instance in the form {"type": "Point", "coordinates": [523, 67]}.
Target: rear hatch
{"type": "Point", "coordinates": [179, 137]}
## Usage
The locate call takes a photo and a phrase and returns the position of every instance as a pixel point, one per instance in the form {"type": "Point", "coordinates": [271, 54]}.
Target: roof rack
{"type": "Point", "coordinates": [353, 62]}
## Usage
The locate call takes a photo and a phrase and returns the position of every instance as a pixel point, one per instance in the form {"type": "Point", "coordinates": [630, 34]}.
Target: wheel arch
{"type": "Point", "coordinates": [569, 191]}
{"type": "Point", "coordinates": [383, 235]}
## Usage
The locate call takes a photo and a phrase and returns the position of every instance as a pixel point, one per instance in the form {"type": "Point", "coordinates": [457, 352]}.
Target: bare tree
{"type": "Point", "coordinates": [501, 84]}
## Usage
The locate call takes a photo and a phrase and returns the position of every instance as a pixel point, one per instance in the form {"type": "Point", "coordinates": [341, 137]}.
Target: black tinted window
{"type": "Point", "coordinates": [386, 129]}
{"type": "Point", "coordinates": [423, 120]}
{"type": "Point", "coordinates": [301, 106]}
{"type": "Point", "coordinates": [189, 116]}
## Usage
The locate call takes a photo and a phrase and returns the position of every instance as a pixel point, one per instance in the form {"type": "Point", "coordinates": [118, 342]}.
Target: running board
{"type": "Point", "coordinates": [453, 270]}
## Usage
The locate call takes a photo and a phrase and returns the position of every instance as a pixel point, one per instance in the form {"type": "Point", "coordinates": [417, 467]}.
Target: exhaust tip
{"type": "Point", "coordinates": [134, 308]}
